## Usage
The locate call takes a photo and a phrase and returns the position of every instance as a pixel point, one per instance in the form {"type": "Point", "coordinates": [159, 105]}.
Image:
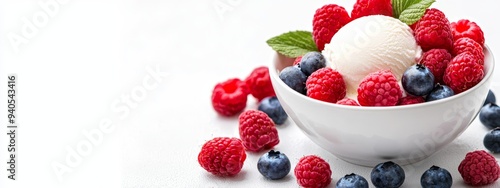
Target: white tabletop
{"type": "Point", "coordinates": [137, 76]}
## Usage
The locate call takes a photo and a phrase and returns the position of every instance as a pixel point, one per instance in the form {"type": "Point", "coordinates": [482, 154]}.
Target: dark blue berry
{"type": "Point", "coordinates": [492, 140]}
{"type": "Point", "coordinates": [490, 115]}
{"type": "Point", "coordinates": [439, 92]}
{"type": "Point", "coordinates": [490, 98]}
{"type": "Point", "coordinates": [436, 177]}
{"type": "Point", "coordinates": [274, 165]}
{"type": "Point", "coordinates": [311, 62]}
{"type": "Point", "coordinates": [272, 107]}
{"type": "Point", "coordinates": [387, 175]}
{"type": "Point", "coordinates": [352, 181]}
{"type": "Point", "coordinates": [294, 78]}
{"type": "Point", "coordinates": [418, 80]}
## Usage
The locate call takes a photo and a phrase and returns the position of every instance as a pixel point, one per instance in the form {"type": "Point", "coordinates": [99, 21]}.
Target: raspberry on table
{"type": "Point", "coordinates": [222, 156]}
{"type": "Point", "coordinates": [479, 168]}
{"type": "Point", "coordinates": [463, 72]}
{"type": "Point", "coordinates": [259, 83]}
{"type": "Point", "coordinates": [465, 44]}
{"type": "Point", "coordinates": [348, 101]}
{"type": "Point", "coordinates": [436, 60]}
{"type": "Point", "coordinates": [466, 28]}
{"type": "Point", "coordinates": [326, 85]}
{"type": "Point", "coordinates": [230, 97]}
{"type": "Point", "coordinates": [257, 131]}
{"type": "Point", "coordinates": [410, 100]}
{"type": "Point", "coordinates": [379, 89]}
{"type": "Point", "coordinates": [433, 31]}
{"type": "Point", "coordinates": [326, 22]}
{"type": "Point", "coordinates": [313, 171]}
{"type": "Point", "coordinates": [371, 7]}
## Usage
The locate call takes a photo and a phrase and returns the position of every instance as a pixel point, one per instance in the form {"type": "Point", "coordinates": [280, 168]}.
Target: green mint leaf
{"type": "Point", "coordinates": [414, 12]}
{"type": "Point", "coordinates": [293, 44]}
{"type": "Point", "coordinates": [399, 6]}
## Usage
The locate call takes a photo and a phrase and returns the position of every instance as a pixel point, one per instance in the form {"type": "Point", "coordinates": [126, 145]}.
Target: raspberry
{"type": "Point", "coordinates": [348, 101]}
{"type": "Point", "coordinates": [297, 60]}
{"type": "Point", "coordinates": [326, 84]}
{"type": "Point", "coordinates": [222, 156]}
{"type": "Point", "coordinates": [230, 97]}
{"type": "Point", "coordinates": [465, 44]}
{"type": "Point", "coordinates": [465, 28]}
{"type": "Point", "coordinates": [410, 100]}
{"type": "Point", "coordinates": [463, 72]}
{"type": "Point", "coordinates": [371, 7]}
{"type": "Point", "coordinates": [257, 131]}
{"type": "Point", "coordinates": [313, 171]}
{"type": "Point", "coordinates": [436, 60]}
{"type": "Point", "coordinates": [379, 89]}
{"type": "Point", "coordinates": [433, 31]}
{"type": "Point", "coordinates": [259, 83]}
{"type": "Point", "coordinates": [326, 22]}
{"type": "Point", "coordinates": [479, 168]}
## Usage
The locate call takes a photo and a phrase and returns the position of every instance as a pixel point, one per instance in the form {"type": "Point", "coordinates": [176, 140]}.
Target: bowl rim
{"type": "Point", "coordinates": [488, 55]}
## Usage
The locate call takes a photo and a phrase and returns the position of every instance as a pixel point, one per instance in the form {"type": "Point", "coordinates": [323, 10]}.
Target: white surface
{"type": "Point", "coordinates": [91, 55]}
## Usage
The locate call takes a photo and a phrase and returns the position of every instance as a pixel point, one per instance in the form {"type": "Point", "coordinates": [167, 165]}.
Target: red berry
{"type": "Point", "coordinates": [222, 156]}
{"type": "Point", "coordinates": [433, 31]}
{"type": "Point", "coordinates": [371, 7]}
{"type": "Point", "coordinates": [297, 60]}
{"type": "Point", "coordinates": [379, 88]}
{"type": "Point", "coordinates": [348, 101]}
{"type": "Point", "coordinates": [463, 72]}
{"type": "Point", "coordinates": [326, 84]}
{"type": "Point", "coordinates": [313, 171]}
{"type": "Point", "coordinates": [326, 22]}
{"type": "Point", "coordinates": [257, 131]}
{"type": "Point", "coordinates": [466, 28]}
{"type": "Point", "coordinates": [410, 100]}
{"type": "Point", "coordinates": [479, 168]}
{"type": "Point", "coordinates": [259, 83]}
{"type": "Point", "coordinates": [436, 60]}
{"type": "Point", "coordinates": [230, 97]}
{"type": "Point", "coordinates": [465, 44]}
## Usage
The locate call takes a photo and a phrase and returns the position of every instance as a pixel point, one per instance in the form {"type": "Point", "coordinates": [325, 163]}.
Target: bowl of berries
{"type": "Point", "coordinates": [385, 84]}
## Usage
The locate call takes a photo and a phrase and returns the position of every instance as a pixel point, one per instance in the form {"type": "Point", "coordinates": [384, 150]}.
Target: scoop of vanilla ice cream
{"type": "Point", "coordinates": [369, 44]}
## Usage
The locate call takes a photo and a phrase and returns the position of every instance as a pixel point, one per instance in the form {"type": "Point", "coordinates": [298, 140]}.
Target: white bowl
{"type": "Point", "coordinates": [370, 135]}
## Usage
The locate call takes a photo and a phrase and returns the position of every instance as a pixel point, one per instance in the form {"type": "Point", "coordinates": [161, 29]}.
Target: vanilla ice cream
{"type": "Point", "coordinates": [369, 44]}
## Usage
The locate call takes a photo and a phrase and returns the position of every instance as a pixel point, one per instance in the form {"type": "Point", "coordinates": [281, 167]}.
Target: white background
{"type": "Point", "coordinates": [89, 55]}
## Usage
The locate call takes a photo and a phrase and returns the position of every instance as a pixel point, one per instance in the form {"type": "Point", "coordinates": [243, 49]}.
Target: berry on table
{"type": "Point", "coordinates": [418, 80]}
{"type": "Point", "coordinates": [379, 89]}
{"type": "Point", "coordinates": [410, 100]}
{"type": "Point", "coordinates": [465, 44]}
{"type": "Point", "coordinates": [313, 171]}
{"type": "Point", "coordinates": [387, 175]}
{"type": "Point", "coordinates": [272, 107]}
{"type": "Point", "coordinates": [371, 7]}
{"type": "Point", "coordinates": [230, 97]}
{"type": "Point", "coordinates": [348, 102]}
{"type": "Point", "coordinates": [490, 98]}
{"type": "Point", "coordinates": [479, 168]}
{"type": "Point", "coordinates": [352, 181]}
{"type": "Point", "coordinates": [294, 78]}
{"type": "Point", "coordinates": [436, 177]}
{"type": "Point", "coordinates": [463, 72]}
{"type": "Point", "coordinates": [436, 60]}
{"type": "Point", "coordinates": [492, 140]}
{"type": "Point", "coordinates": [433, 31]}
{"type": "Point", "coordinates": [222, 156]}
{"type": "Point", "coordinates": [326, 85]}
{"type": "Point", "coordinates": [259, 83]}
{"type": "Point", "coordinates": [439, 92]}
{"type": "Point", "coordinates": [274, 165]}
{"type": "Point", "coordinates": [490, 115]}
{"type": "Point", "coordinates": [466, 28]}
{"type": "Point", "coordinates": [311, 62]}
{"type": "Point", "coordinates": [257, 131]}
{"type": "Point", "coordinates": [326, 22]}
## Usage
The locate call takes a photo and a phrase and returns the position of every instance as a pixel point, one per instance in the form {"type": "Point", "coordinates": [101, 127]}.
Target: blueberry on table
{"type": "Point", "coordinates": [418, 80]}
{"type": "Point", "coordinates": [436, 177]}
{"type": "Point", "coordinates": [272, 107]}
{"type": "Point", "coordinates": [439, 92]}
{"type": "Point", "coordinates": [387, 175]}
{"type": "Point", "coordinates": [490, 115]}
{"type": "Point", "coordinates": [352, 181]}
{"type": "Point", "coordinates": [311, 62]}
{"type": "Point", "coordinates": [492, 140]}
{"type": "Point", "coordinates": [294, 78]}
{"type": "Point", "coordinates": [490, 98]}
{"type": "Point", "coordinates": [274, 165]}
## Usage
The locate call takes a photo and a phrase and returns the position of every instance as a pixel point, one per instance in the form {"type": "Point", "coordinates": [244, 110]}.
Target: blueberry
{"type": "Point", "coordinates": [490, 115]}
{"type": "Point", "coordinates": [272, 107]}
{"type": "Point", "coordinates": [352, 181]}
{"type": "Point", "coordinates": [436, 177]}
{"type": "Point", "coordinates": [492, 140]}
{"type": "Point", "coordinates": [274, 165]}
{"type": "Point", "coordinates": [311, 62]}
{"type": "Point", "coordinates": [388, 175]}
{"type": "Point", "coordinates": [418, 80]}
{"type": "Point", "coordinates": [490, 98]}
{"type": "Point", "coordinates": [294, 78]}
{"type": "Point", "coordinates": [439, 92]}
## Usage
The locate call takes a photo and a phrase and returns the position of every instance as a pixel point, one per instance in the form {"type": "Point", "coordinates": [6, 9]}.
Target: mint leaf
{"type": "Point", "coordinates": [414, 12]}
{"type": "Point", "coordinates": [399, 6]}
{"type": "Point", "coordinates": [293, 43]}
